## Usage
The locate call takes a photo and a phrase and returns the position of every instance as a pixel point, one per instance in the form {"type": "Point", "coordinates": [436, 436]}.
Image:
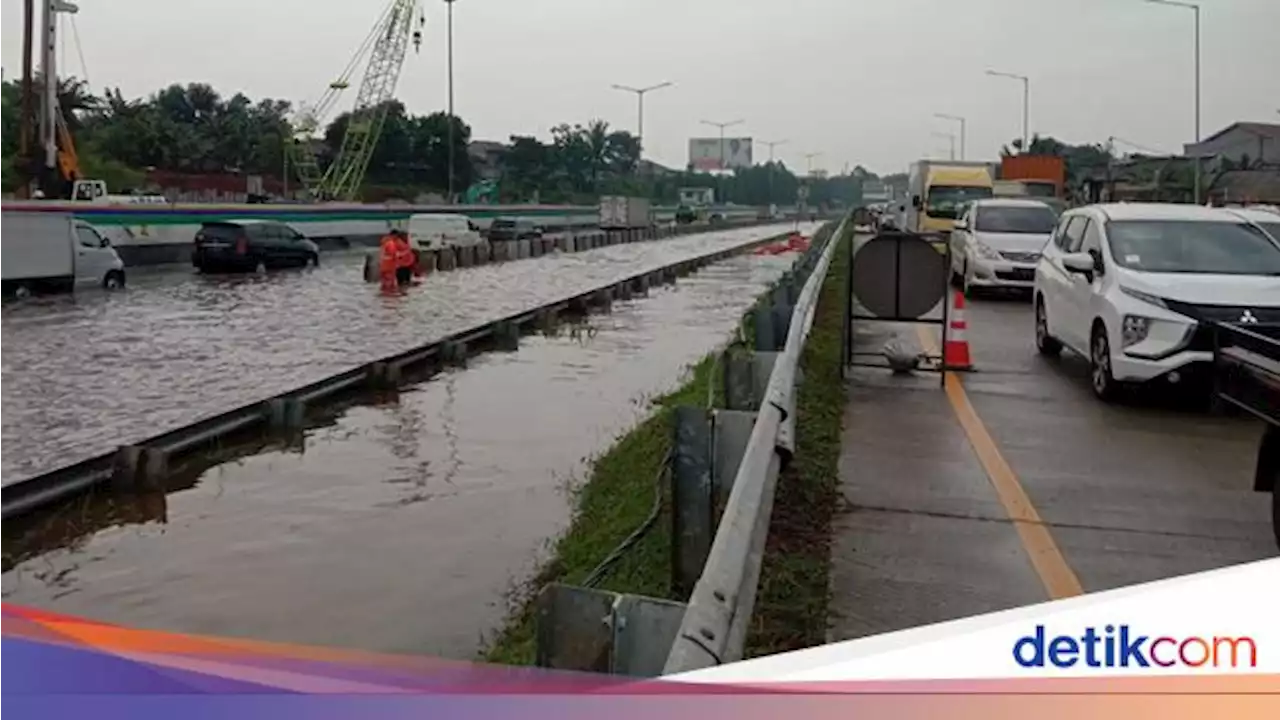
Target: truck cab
{"type": "Point", "coordinates": [940, 193]}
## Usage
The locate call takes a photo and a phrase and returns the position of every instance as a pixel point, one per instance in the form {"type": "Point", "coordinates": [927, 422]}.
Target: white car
{"type": "Point", "coordinates": [1133, 287]}
{"type": "Point", "coordinates": [997, 242]}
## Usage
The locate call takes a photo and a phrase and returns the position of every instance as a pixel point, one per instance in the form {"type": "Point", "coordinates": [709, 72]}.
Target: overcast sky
{"type": "Point", "coordinates": [857, 80]}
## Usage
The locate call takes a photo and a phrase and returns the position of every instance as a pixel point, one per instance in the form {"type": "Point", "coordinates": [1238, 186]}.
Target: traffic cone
{"type": "Point", "coordinates": [955, 351]}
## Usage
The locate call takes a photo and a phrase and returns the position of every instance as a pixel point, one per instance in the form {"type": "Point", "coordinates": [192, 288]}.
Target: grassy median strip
{"type": "Point", "coordinates": [618, 496]}
{"type": "Point", "coordinates": [791, 607]}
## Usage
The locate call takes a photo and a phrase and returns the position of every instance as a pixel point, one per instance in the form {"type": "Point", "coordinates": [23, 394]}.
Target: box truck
{"type": "Point", "coordinates": [940, 190]}
{"type": "Point", "coordinates": [1044, 176]}
{"type": "Point", "coordinates": [48, 252]}
{"type": "Point", "coordinates": [618, 212]}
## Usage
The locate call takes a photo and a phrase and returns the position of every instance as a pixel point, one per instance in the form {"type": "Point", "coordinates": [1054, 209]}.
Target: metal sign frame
{"type": "Point", "coordinates": [935, 361]}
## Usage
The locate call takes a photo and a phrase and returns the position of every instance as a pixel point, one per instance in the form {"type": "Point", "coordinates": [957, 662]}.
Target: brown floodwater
{"type": "Point", "coordinates": [399, 526]}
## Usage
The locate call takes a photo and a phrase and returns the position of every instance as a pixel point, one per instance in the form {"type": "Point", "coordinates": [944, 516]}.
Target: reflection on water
{"type": "Point", "coordinates": [400, 525]}
{"type": "Point", "coordinates": [84, 375]}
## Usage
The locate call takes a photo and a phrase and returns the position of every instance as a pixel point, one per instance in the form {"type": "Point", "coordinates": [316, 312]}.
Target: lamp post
{"type": "Point", "coordinates": [771, 144]}
{"type": "Point", "coordinates": [640, 93]}
{"type": "Point", "coordinates": [722, 126]}
{"type": "Point", "coordinates": [961, 120]}
{"type": "Point", "coordinates": [1026, 104]}
{"type": "Point", "coordinates": [808, 157]}
{"type": "Point", "coordinates": [952, 138]}
{"type": "Point", "coordinates": [1196, 10]}
{"type": "Point", "coordinates": [449, 32]}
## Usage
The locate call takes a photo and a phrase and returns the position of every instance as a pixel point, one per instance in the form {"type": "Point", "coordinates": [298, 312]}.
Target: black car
{"type": "Point", "coordinates": [249, 245]}
{"type": "Point", "coordinates": [513, 229]}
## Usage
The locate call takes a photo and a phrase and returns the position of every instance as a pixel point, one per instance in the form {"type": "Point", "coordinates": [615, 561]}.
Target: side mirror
{"type": "Point", "coordinates": [1096, 256]}
{"type": "Point", "coordinates": [1082, 263]}
{"type": "Point", "coordinates": [103, 242]}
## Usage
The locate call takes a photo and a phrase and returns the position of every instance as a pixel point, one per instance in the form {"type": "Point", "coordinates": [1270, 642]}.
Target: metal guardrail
{"type": "Point", "coordinates": [146, 464]}
{"type": "Point", "coordinates": [719, 611]}
{"type": "Point", "coordinates": [723, 468]}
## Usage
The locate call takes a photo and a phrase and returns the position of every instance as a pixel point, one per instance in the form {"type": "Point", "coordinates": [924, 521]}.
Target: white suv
{"type": "Point", "coordinates": [997, 243]}
{"type": "Point", "coordinates": [1134, 288]}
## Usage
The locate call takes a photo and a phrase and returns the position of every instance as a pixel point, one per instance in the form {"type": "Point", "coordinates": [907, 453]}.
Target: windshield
{"type": "Point", "coordinates": [1015, 219]}
{"type": "Point", "coordinates": [1179, 246]}
{"type": "Point", "coordinates": [503, 223]}
{"type": "Point", "coordinates": [947, 201]}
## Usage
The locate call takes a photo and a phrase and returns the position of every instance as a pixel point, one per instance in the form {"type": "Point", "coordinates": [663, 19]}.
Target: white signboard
{"type": "Point", "coordinates": [707, 154]}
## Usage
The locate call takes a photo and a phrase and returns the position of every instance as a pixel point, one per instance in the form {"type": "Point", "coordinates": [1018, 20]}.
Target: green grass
{"type": "Point", "coordinates": [792, 602]}
{"type": "Point", "coordinates": [609, 506]}
{"type": "Point", "coordinates": [618, 496]}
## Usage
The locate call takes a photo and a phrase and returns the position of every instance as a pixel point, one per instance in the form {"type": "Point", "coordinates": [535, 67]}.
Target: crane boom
{"type": "Point", "coordinates": [342, 179]}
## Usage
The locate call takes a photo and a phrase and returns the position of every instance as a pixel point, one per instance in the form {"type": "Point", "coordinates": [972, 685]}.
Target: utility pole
{"type": "Point", "coordinates": [952, 138]}
{"type": "Point", "coordinates": [28, 95]}
{"type": "Point", "coordinates": [808, 157]}
{"type": "Point", "coordinates": [640, 93]}
{"type": "Point", "coordinates": [449, 32]}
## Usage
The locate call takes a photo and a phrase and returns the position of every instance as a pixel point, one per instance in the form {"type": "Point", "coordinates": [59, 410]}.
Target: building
{"type": "Point", "coordinates": [1244, 144]}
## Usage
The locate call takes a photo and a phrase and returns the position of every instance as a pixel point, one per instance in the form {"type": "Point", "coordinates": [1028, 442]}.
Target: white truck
{"type": "Point", "coordinates": [54, 252]}
{"type": "Point", "coordinates": [618, 212]}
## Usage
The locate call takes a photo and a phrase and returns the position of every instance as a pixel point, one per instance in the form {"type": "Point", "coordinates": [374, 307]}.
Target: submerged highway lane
{"type": "Point", "coordinates": [1014, 485]}
{"type": "Point", "coordinates": [399, 526]}
{"type": "Point", "coordinates": [83, 375]}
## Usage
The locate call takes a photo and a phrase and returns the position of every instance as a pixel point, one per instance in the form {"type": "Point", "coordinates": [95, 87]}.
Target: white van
{"type": "Point", "coordinates": [434, 231]}
{"type": "Point", "coordinates": [55, 252]}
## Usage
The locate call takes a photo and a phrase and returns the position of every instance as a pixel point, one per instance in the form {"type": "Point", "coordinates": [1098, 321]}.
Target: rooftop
{"type": "Point", "coordinates": [1163, 211]}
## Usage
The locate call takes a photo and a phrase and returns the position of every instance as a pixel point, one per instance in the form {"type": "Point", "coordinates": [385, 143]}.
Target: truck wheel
{"type": "Point", "coordinates": [114, 280]}
{"type": "Point", "coordinates": [22, 291]}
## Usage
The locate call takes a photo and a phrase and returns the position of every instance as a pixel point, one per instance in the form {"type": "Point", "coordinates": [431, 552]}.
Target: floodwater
{"type": "Point", "coordinates": [399, 527]}
{"type": "Point", "coordinates": [82, 376]}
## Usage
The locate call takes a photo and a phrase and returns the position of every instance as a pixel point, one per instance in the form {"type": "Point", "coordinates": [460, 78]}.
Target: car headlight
{"type": "Point", "coordinates": [986, 252]}
{"type": "Point", "coordinates": [1144, 297]}
{"type": "Point", "coordinates": [1134, 330]}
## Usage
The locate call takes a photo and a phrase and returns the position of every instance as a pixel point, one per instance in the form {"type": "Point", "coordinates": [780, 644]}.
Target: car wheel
{"type": "Point", "coordinates": [114, 280]}
{"type": "Point", "coordinates": [21, 292]}
{"type": "Point", "coordinates": [261, 267]}
{"type": "Point", "coordinates": [1046, 344]}
{"type": "Point", "coordinates": [1100, 374]}
{"type": "Point", "coordinates": [313, 260]}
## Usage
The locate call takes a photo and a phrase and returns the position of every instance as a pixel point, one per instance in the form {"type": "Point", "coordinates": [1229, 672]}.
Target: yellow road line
{"type": "Point", "coordinates": [1056, 575]}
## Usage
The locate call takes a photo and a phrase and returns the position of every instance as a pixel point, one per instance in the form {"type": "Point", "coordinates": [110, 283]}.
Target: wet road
{"type": "Point", "coordinates": [82, 376]}
{"type": "Point", "coordinates": [398, 527]}
{"type": "Point", "coordinates": [1118, 495]}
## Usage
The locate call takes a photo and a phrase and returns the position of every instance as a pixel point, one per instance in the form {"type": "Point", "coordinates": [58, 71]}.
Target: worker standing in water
{"type": "Point", "coordinates": [388, 262]}
{"type": "Point", "coordinates": [404, 258]}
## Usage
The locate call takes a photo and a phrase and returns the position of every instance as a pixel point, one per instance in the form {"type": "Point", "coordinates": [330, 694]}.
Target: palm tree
{"type": "Point", "coordinates": [597, 138]}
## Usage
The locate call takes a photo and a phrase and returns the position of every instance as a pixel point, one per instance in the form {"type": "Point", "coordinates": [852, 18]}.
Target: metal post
{"type": "Point", "coordinates": [1026, 105]}
{"type": "Point", "coordinates": [640, 93]}
{"type": "Point", "coordinates": [28, 90]}
{"type": "Point", "coordinates": [722, 126]}
{"type": "Point", "coordinates": [961, 120]}
{"type": "Point", "coordinates": [1197, 159]}
{"type": "Point", "coordinates": [449, 5]}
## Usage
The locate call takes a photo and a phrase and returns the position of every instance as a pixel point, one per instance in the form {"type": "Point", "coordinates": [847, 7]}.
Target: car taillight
{"type": "Point", "coordinates": [242, 246]}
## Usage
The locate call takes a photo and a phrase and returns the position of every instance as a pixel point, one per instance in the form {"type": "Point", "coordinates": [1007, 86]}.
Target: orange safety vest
{"type": "Point", "coordinates": [387, 260]}
{"type": "Point", "coordinates": [404, 253]}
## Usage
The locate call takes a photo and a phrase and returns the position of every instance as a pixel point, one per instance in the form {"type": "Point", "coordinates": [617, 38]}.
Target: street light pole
{"type": "Point", "coordinates": [771, 144]}
{"type": "Point", "coordinates": [1196, 10]}
{"type": "Point", "coordinates": [640, 93]}
{"type": "Point", "coordinates": [808, 157]}
{"type": "Point", "coordinates": [722, 126]}
{"type": "Point", "coordinates": [960, 120]}
{"type": "Point", "coordinates": [951, 137]}
{"type": "Point", "coordinates": [1026, 104]}
{"type": "Point", "coordinates": [449, 5]}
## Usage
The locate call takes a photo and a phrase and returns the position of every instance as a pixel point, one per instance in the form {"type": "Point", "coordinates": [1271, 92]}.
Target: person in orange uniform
{"type": "Point", "coordinates": [405, 258]}
{"type": "Point", "coordinates": [387, 262]}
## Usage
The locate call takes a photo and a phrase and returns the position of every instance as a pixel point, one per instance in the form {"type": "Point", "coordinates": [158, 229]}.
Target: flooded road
{"type": "Point", "coordinates": [82, 376]}
{"type": "Point", "coordinates": [398, 527]}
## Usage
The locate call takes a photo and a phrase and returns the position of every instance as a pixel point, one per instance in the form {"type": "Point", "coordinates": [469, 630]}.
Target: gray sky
{"type": "Point", "coordinates": [853, 79]}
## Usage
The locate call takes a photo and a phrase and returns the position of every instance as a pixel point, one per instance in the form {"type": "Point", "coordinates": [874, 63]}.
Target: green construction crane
{"type": "Point", "coordinates": [386, 45]}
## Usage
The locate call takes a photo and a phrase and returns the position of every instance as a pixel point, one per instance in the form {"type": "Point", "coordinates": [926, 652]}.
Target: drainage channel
{"type": "Point", "coordinates": [395, 526]}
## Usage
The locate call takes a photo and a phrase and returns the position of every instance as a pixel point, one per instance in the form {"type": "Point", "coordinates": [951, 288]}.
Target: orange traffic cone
{"type": "Point", "coordinates": [955, 351]}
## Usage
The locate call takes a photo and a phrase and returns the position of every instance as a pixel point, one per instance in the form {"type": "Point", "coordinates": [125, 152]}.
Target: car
{"type": "Point", "coordinates": [1263, 217]}
{"type": "Point", "coordinates": [996, 243]}
{"type": "Point", "coordinates": [506, 228]}
{"type": "Point", "coordinates": [434, 231]}
{"type": "Point", "coordinates": [1135, 288]}
{"type": "Point", "coordinates": [251, 245]}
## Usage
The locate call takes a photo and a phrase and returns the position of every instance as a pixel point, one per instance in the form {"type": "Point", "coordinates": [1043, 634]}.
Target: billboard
{"type": "Point", "coordinates": [705, 153]}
